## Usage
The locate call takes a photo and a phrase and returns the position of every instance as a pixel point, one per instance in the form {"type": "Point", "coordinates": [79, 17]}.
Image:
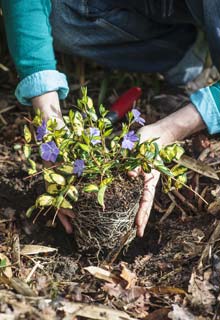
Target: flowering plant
{"type": "Point", "coordinates": [86, 154]}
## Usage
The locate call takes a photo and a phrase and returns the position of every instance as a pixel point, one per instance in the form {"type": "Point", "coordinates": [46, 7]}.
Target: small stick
{"type": "Point", "coordinates": [185, 201]}
{"type": "Point", "coordinates": [37, 265]}
{"type": "Point", "coordinates": [168, 211]}
{"type": "Point", "coordinates": [3, 120]}
{"type": "Point", "coordinates": [213, 238]}
{"type": "Point", "coordinates": [7, 109]}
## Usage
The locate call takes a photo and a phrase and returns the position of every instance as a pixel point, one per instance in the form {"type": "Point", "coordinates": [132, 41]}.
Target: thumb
{"type": "Point", "coordinates": [135, 173]}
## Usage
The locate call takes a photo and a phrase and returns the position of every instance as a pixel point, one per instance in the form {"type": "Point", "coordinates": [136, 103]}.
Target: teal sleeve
{"type": "Point", "coordinates": [29, 35]}
{"type": "Point", "coordinates": [207, 103]}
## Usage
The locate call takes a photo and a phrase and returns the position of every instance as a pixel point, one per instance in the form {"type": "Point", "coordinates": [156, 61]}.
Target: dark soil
{"type": "Point", "coordinates": [164, 257]}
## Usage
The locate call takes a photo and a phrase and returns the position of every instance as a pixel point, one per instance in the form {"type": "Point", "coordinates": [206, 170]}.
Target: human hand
{"type": "Point", "coordinates": [175, 127]}
{"type": "Point", "coordinates": [49, 105]}
{"type": "Point", "coordinates": [150, 179]}
{"type": "Point", "coordinates": [146, 202]}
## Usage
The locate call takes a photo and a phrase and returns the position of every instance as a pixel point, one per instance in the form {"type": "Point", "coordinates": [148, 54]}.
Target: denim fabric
{"type": "Point", "coordinates": [192, 63]}
{"type": "Point", "coordinates": [39, 83]}
{"type": "Point", "coordinates": [120, 34]}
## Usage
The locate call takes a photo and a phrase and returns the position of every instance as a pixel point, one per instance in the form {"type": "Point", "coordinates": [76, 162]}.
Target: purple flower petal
{"type": "Point", "coordinates": [94, 133]}
{"type": "Point", "coordinates": [78, 167]}
{"type": "Point", "coordinates": [49, 151]}
{"type": "Point", "coordinates": [129, 139]}
{"type": "Point", "coordinates": [41, 130]}
{"type": "Point", "coordinates": [137, 117]}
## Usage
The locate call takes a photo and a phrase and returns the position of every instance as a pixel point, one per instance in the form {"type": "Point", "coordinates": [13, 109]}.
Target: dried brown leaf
{"type": "Point", "coordinates": [102, 274]}
{"type": "Point", "coordinates": [31, 249]}
{"type": "Point", "coordinates": [128, 276]}
{"type": "Point", "coordinates": [89, 311]}
{"type": "Point", "coordinates": [167, 290]}
{"type": "Point", "coordinates": [201, 291]}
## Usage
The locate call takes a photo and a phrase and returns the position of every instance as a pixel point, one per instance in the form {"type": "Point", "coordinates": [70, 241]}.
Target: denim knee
{"type": "Point", "coordinates": [118, 34]}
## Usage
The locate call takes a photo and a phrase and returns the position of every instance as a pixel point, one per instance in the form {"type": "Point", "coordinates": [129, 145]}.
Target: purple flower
{"type": "Point", "coordinates": [137, 117]}
{"type": "Point", "coordinates": [49, 151]}
{"type": "Point", "coordinates": [78, 167]}
{"type": "Point", "coordinates": [94, 132]}
{"type": "Point", "coordinates": [41, 130]}
{"type": "Point", "coordinates": [129, 139]}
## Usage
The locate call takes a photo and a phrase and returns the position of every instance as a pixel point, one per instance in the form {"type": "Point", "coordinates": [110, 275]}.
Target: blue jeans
{"type": "Point", "coordinates": [121, 34]}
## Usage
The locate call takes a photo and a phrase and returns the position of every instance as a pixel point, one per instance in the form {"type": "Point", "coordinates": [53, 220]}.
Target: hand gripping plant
{"type": "Point", "coordinates": [86, 171]}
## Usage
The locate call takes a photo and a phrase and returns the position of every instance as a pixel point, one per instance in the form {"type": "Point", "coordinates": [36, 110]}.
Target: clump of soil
{"type": "Point", "coordinates": [100, 230]}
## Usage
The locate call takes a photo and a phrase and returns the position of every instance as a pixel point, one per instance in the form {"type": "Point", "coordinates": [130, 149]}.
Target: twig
{"type": "Point", "coordinates": [7, 109]}
{"type": "Point", "coordinates": [214, 237]}
{"type": "Point", "coordinates": [185, 201]}
{"type": "Point", "coordinates": [37, 265]}
{"type": "Point", "coordinates": [3, 120]}
{"type": "Point", "coordinates": [168, 211]}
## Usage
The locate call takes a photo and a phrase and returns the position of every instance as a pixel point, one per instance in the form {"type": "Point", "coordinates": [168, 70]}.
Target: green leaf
{"type": "Point", "coordinates": [179, 152]}
{"type": "Point", "coordinates": [146, 168]}
{"type": "Point", "coordinates": [37, 121]}
{"type": "Point", "coordinates": [17, 146]}
{"type": "Point", "coordinates": [93, 115]}
{"type": "Point", "coordinates": [90, 103]}
{"type": "Point", "coordinates": [3, 263]}
{"type": "Point", "coordinates": [84, 147]}
{"type": "Point", "coordinates": [181, 180]}
{"type": "Point", "coordinates": [77, 124]}
{"type": "Point", "coordinates": [170, 153]}
{"type": "Point", "coordinates": [106, 181]}
{"type": "Point", "coordinates": [101, 124]}
{"type": "Point", "coordinates": [86, 138]}
{"type": "Point", "coordinates": [101, 195]}
{"type": "Point", "coordinates": [51, 125]}
{"type": "Point", "coordinates": [66, 169]}
{"type": "Point", "coordinates": [47, 175]}
{"type": "Point", "coordinates": [167, 185]}
{"type": "Point", "coordinates": [44, 200]}
{"type": "Point", "coordinates": [66, 204]}
{"type": "Point", "coordinates": [65, 144]}
{"type": "Point", "coordinates": [33, 169]}
{"type": "Point", "coordinates": [30, 211]}
{"type": "Point", "coordinates": [72, 193]}
{"type": "Point", "coordinates": [27, 134]}
{"type": "Point", "coordinates": [54, 188]}
{"type": "Point", "coordinates": [130, 116]}
{"type": "Point", "coordinates": [161, 167]}
{"type": "Point", "coordinates": [61, 202]}
{"type": "Point", "coordinates": [57, 178]}
{"type": "Point", "coordinates": [91, 188]}
{"type": "Point", "coordinates": [108, 132]}
{"type": "Point", "coordinates": [27, 150]}
{"type": "Point", "coordinates": [102, 110]}
{"type": "Point", "coordinates": [178, 170]}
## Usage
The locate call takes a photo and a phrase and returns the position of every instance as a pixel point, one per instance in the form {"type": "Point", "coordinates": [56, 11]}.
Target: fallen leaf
{"type": "Point", "coordinates": [6, 266]}
{"type": "Point", "coordinates": [167, 290]}
{"type": "Point", "coordinates": [102, 274]}
{"type": "Point", "coordinates": [201, 290]}
{"type": "Point", "coordinates": [180, 313]}
{"type": "Point", "coordinates": [214, 207]}
{"type": "Point", "coordinates": [30, 249]}
{"type": "Point", "coordinates": [126, 295]}
{"type": "Point", "coordinates": [74, 309]}
{"type": "Point", "coordinates": [128, 276]}
{"type": "Point", "coordinates": [198, 166]}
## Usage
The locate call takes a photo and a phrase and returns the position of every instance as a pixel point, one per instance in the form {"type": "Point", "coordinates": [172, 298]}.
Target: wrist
{"type": "Point", "coordinates": [49, 105]}
{"type": "Point", "coordinates": [181, 124]}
